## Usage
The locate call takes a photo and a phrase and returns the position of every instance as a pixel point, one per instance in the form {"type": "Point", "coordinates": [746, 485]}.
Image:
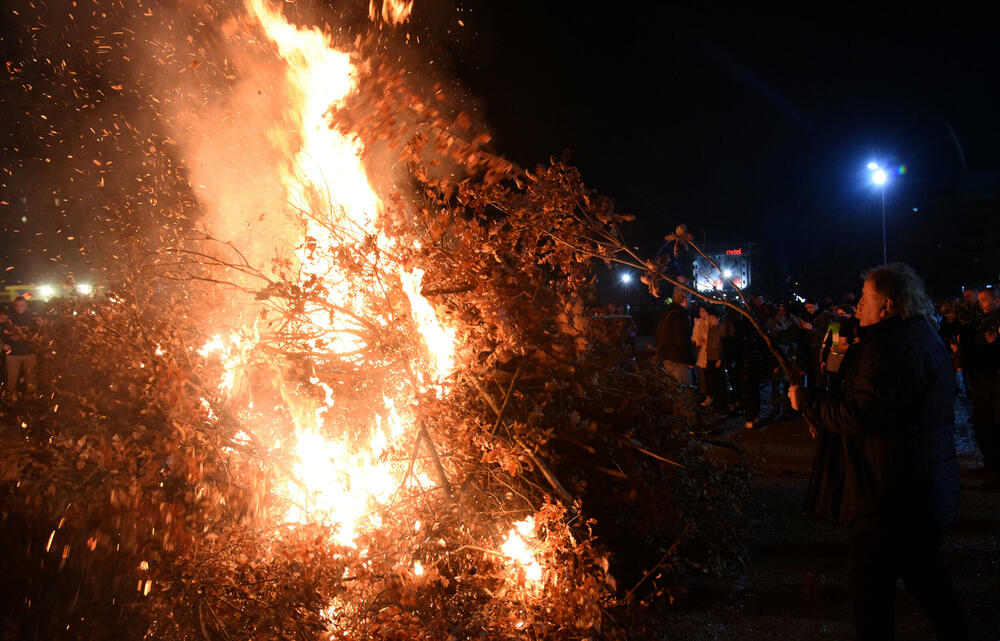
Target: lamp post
{"type": "Point", "coordinates": [626, 280]}
{"type": "Point", "coordinates": [879, 178]}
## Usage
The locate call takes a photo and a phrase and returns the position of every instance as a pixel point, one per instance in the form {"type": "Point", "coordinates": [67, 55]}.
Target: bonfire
{"type": "Point", "coordinates": [409, 421]}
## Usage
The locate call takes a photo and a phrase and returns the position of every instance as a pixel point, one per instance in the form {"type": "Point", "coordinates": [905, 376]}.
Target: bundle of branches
{"type": "Point", "coordinates": [151, 489]}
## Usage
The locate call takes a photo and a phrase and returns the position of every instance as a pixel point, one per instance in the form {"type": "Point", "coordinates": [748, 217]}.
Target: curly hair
{"type": "Point", "coordinates": [903, 286]}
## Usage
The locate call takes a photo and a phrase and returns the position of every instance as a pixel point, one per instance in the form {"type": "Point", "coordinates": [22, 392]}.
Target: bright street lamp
{"type": "Point", "coordinates": [625, 278]}
{"type": "Point", "coordinates": [879, 178]}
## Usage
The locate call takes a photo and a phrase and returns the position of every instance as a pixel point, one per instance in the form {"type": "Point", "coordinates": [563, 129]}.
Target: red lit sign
{"type": "Point", "coordinates": [734, 252]}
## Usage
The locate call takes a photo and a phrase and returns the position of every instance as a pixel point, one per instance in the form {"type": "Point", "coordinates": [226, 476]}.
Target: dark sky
{"type": "Point", "coordinates": [748, 125]}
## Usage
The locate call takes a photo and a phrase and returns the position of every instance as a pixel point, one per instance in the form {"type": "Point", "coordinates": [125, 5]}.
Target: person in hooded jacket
{"type": "Point", "coordinates": [887, 467]}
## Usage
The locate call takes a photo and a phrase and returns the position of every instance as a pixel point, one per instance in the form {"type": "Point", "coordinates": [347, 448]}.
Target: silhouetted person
{"type": "Point", "coordinates": [22, 356]}
{"type": "Point", "coordinates": [673, 339]}
{"type": "Point", "coordinates": [813, 325]}
{"type": "Point", "coordinates": [984, 376]}
{"type": "Point", "coordinates": [896, 483]}
{"type": "Point", "coordinates": [707, 337]}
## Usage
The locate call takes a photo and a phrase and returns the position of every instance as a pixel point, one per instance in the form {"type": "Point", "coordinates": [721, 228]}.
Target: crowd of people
{"type": "Point", "coordinates": [724, 354]}
{"type": "Point", "coordinates": [721, 352]}
{"type": "Point", "coordinates": [19, 350]}
{"type": "Point", "coordinates": [876, 384]}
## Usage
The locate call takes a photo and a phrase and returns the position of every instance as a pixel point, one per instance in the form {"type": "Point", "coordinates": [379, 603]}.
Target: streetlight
{"type": "Point", "coordinates": [879, 178]}
{"type": "Point", "coordinates": [626, 281]}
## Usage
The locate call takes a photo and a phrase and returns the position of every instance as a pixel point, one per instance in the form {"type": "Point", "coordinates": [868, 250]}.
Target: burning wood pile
{"type": "Point", "coordinates": [406, 425]}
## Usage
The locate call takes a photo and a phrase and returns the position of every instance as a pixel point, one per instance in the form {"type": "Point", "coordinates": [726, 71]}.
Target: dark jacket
{"type": "Point", "coordinates": [673, 336]}
{"type": "Point", "coordinates": [896, 422]}
{"type": "Point", "coordinates": [19, 332]}
{"type": "Point", "coordinates": [820, 321]}
{"type": "Point", "coordinates": [983, 356]}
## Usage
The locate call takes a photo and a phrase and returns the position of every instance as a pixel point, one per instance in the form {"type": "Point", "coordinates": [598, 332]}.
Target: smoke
{"type": "Point", "coordinates": [224, 108]}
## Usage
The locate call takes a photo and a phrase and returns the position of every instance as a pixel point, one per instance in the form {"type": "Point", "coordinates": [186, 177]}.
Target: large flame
{"type": "Point", "coordinates": [339, 481]}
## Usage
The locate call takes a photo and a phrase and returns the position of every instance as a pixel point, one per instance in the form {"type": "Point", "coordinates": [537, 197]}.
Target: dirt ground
{"type": "Point", "coordinates": [796, 587]}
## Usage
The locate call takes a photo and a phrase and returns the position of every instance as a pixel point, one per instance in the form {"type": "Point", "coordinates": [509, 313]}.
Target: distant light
{"type": "Point", "coordinates": [873, 166]}
{"type": "Point", "coordinates": [901, 170]}
{"type": "Point", "coordinates": [84, 289]}
{"type": "Point", "coordinates": [879, 177]}
{"type": "Point", "coordinates": [46, 292]}
{"type": "Point", "coordinates": [626, 278]}
{"type": "Point", "coordinates": [24, 219]}
{"type": "Point", "coordinates": [728, 273]}
{"type": "Point", "coordinates": [915, 210]}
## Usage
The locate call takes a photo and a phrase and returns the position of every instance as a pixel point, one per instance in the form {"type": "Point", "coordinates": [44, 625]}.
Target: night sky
{"type": "Point", "coordinates": [748, 126]}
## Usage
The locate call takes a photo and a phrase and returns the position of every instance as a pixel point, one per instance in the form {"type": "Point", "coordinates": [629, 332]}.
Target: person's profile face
{"type": "Point", "coordinates": [873, 306]}
{"type": "Point", "coordinates": [970, 296]}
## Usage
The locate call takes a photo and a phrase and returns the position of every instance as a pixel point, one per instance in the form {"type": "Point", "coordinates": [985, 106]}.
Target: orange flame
{"type": "Point", "coordinates": [518, 547]}
{"type": "Point", "coordinates": [393, 11]}
{"type": "Point", "coordinates": [335, 482]}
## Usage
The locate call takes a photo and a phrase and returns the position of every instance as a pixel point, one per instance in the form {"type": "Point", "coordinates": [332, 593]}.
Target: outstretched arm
{"type": "Point", "coordinates": [862, 407]}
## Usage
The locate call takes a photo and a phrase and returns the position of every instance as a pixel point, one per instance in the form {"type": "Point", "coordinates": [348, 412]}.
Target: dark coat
{"type": "Point", "coordinates": [673, 336]}
{"type": "Point", "coordinates": [18, 333]}
{"type": "Point", "coordinates": [983, 356]}
{"type": "Point", "coordinates": [895, 420]}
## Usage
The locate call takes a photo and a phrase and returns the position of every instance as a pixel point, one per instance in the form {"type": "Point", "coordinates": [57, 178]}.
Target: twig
{"type": "Point", "coordinates": [478, 549]}
{"type": "Point", "coordinates": [542, 467]}
{"type": "Point", "coordinates": [510, 391]}
{"type": "Point", "coordinates": [670, 551]}
{"type": "Point", "coordinates": [484, 393]}
{"type": "Point", "coordinates": [413, 458]}
{"type": "Point", "coordinates": [618, 474]}
{"type": "Point", "coordinates": [711, 262]}
{"type": "Point", "coordinates": [442, 476]}
{"type": "Point", "coordinates": [653, 454]}
{"type": "Point", "coordinates": [546, 472]}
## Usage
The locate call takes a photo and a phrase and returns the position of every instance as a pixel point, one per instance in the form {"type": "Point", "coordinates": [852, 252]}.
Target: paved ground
{"type": "Point", "coordinates": [795, 586]}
